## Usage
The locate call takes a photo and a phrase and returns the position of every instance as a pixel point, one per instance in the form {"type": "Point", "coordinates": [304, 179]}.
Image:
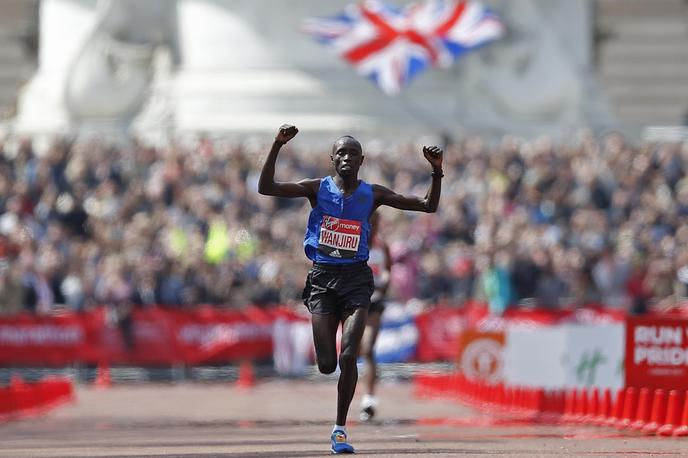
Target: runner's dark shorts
{"type": "Point", "coordinates": [377, 306]}
{"type": "Point", "coordinates": [333, 288]}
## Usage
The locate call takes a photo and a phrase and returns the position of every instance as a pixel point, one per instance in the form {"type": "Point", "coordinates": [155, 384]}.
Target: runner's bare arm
{"type": "Point", "coordinates": [386, 270]}
{"type": "Point", "coordinates": [267, 184]}
{"type": "Point", "coordinates": [429, 203]}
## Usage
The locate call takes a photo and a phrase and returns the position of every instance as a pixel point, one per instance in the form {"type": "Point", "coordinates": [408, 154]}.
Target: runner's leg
{"type": "Point", "coordinates": [367, 345]}
{"type": "Point", "coordinates": [354, 325]}
{"type": "Point", "coordinates": [325, 341]}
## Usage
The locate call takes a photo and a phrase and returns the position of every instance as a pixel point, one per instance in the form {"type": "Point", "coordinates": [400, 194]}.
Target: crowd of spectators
{"type": "Point", "coordinates": [521, 223]}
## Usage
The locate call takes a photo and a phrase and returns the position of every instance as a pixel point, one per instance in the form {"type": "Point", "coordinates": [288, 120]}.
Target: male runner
{"type": "Point", "coordinates": [340, 283]}
{"type": "Point", "coordinates": [380, 261]}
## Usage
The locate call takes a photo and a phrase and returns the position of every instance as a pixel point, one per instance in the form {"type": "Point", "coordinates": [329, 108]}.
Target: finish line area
{"type": "Point", "coordinates": [281, 418]}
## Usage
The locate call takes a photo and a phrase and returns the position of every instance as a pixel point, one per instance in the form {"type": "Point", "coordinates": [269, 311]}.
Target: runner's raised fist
{"type": "Point", "coordinates": [286, 133]}
{"type": "Point", "coordinates": [434, 155]}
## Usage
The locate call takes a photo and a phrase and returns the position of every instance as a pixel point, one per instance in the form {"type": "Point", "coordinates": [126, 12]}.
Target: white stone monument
{"type": "Point", "coordinates": [238, 67]}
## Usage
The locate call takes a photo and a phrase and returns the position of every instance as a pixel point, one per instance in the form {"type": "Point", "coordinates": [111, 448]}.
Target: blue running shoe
{"type": "Point", "coordinates": [339, 444]}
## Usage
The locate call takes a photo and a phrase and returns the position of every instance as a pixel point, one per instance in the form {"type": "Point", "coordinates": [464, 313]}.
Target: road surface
{"type": "Point", "coordinates": [281, 418]}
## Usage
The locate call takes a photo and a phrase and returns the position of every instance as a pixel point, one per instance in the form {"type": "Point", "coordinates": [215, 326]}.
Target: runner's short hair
{"type": "Point", "coordinates": [347, 137]}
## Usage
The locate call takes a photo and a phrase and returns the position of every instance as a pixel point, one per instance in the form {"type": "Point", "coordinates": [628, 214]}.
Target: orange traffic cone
{"type": "Point", "coordinates": [592, 407]}
{"type": "Point", "coordinates": [629, 408]}
{"type": "Point", "coordinates": [103, 380]}
{"type": "Point", "coordinates": [672, 414]}
{"type": "Point", "coordinates": [246, 378]}
{"type": "Point", "coordinates": [682, 430]}
{"type": "Point", "coordinates": [642, 415]}
{"type": "Point", "coordinates": [617, 410]}
{"type": "Point", "coordinates": [570, 404]}
{"type": "Point", "coordinates": [604, 408]}
{"type": "Point", "coordinates": [581, 406]}
{"type": "Point", "coordinates": [658, 414]}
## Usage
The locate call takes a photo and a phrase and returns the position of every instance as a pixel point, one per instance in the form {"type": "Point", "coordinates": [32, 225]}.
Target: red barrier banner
{"type": "Point", "coordinates": [212, 335]}
{"type": "Point", "coordinates": [438, 333]}
{"type": "Point", "coordinates": [145, 338]}
{"type": "Point", "coordinates": [208, 335]}
{"type": "Point", "coordinates": [657, 352]}
{"type": "Point", "coordinates": [151, 336]}
{"type": "Point", "coordinates": [55, 340]}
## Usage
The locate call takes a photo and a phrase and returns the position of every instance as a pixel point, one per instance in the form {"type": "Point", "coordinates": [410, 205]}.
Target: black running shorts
{"type": "Point", "coordinates": [377, 306]}
{"type": "Point", "coordinates": [333, 288]}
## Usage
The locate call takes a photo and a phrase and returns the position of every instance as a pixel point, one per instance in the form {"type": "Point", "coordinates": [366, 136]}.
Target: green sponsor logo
{"type": "Point", "coordinates": [586, 369]}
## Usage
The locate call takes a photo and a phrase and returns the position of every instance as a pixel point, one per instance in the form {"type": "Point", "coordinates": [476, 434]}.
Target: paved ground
{"type": "Point", "coordinates": [293, 419]}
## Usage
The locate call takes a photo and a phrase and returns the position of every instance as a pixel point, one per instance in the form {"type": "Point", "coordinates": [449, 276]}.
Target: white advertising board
{"type": "Point", "coordinates": [565, 356]}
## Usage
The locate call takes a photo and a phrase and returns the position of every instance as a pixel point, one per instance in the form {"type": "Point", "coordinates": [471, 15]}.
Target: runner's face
{"type": "Point", "coordinates": [347, 157]}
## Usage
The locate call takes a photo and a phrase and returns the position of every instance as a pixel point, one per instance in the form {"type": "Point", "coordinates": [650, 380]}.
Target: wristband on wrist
{"type": "Point", "coordinates": [437, 173]}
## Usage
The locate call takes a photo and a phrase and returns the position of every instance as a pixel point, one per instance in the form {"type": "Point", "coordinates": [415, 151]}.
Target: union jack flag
{"type": "Point", "coordinates": [392, 46]}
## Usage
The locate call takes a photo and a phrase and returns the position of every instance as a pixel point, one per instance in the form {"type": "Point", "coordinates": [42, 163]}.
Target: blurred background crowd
{"type": "Point", "coordinates": [520, 224]}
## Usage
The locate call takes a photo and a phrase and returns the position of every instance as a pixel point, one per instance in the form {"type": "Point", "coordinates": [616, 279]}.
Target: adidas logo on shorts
{"type": "Point", "coordinates": [336, 254]}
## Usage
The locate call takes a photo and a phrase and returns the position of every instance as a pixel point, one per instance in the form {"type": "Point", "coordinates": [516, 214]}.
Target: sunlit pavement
{"type": "Point", "coordinates": [294, 418]}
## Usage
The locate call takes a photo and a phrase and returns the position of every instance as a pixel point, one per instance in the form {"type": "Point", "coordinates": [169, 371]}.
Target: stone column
{"type": "Point", "coordinates": [64, 24]}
